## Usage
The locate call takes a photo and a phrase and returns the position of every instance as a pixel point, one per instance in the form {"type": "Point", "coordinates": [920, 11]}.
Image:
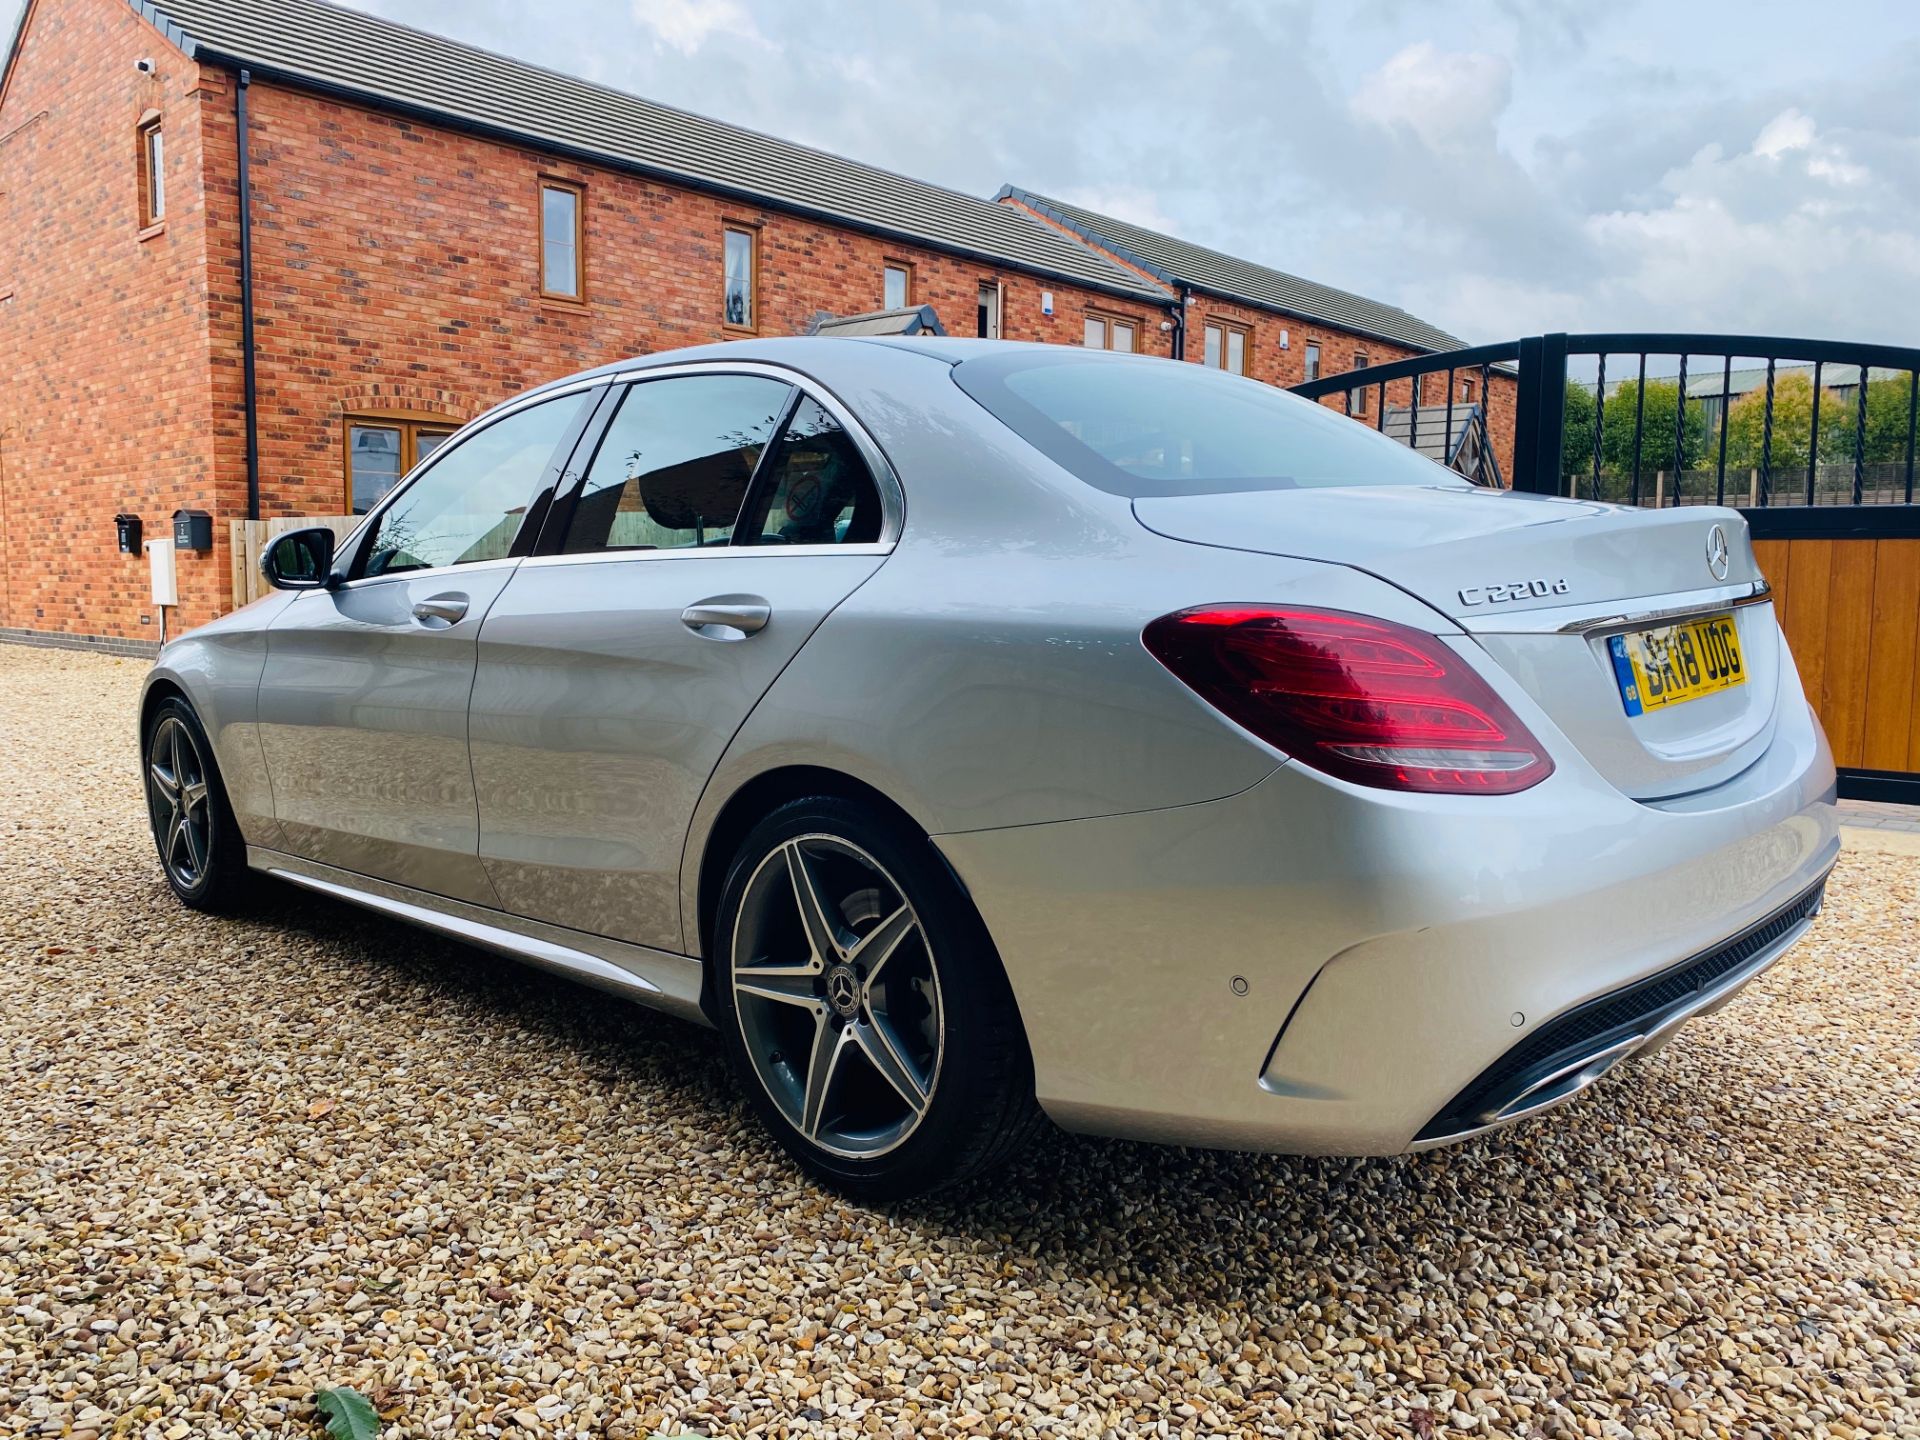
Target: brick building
{"type": "Point", "coordinates": [424, 229]}
{"type": "Point", "coordinates": [1279, 328]}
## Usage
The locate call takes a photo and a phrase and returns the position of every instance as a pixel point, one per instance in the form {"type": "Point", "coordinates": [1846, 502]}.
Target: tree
{"type": "Point", "coordinates": [1748, 443]}
{"type": "Point", "coordinates": [1656, 429]}
{"type": "Point", "coordinates": [1576, 433]}
{"type": "Point", "coordinates": [1886, 423]}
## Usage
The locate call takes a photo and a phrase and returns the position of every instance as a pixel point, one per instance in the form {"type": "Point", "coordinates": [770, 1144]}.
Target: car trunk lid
{"type": "Point", "coordinates": [1543, 585]}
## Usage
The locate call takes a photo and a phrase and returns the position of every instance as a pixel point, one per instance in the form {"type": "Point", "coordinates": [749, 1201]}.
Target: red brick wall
{"type": "Point", "coordinates": [106, 403]}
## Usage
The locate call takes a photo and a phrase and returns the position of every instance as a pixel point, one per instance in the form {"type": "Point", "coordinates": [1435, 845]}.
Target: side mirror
{"type": "Point", "coordinates": [299, 560]}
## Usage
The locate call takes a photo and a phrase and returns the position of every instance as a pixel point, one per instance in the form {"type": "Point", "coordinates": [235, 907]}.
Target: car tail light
{"type": "Point", "coordinates": [1367, 700]}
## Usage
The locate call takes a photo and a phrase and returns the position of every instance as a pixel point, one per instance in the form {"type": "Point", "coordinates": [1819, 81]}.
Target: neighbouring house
{"type": "Point", "coordinates": [411, 229]}
{"type": "Point", "coordinates": [1258, 321]}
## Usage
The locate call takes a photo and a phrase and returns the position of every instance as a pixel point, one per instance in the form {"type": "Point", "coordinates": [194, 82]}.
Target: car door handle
{"type": "Point", "coordinates": [727, 617]}
{"type": "Point", "coordinates": [439, 611]}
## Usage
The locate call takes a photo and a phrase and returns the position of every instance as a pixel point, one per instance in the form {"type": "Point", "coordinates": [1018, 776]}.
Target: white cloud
{"type": "Point", "coordinates": [1789, 130]}
{"type": "Point", "coordinates": [687, 25]}
{"type": "Point", "coordinates": [1446, 99]}
{"type": "Point", "coordinates": [1131, 203]}
{"type": "Point", "coordinates": [1788, 234]}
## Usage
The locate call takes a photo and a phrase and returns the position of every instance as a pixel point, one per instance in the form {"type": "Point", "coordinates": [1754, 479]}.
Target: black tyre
{"type": "Point", "coordinates": [201, 852]}
{"type": "Point", "coordinates": [863, 1005]}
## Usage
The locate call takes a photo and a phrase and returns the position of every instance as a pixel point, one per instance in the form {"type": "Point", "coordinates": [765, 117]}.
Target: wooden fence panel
{"type": "Point", "coordinates": [1892, 742]}
{"type": "Point", "coordinates": [1851, 612]}
{"type": "Point", "coordinates": [250, 539]}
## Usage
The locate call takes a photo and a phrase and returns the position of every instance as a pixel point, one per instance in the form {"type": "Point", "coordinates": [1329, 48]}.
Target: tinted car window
{"type": "Point", "coordinates": [1154, 427]}
{"type": "Point", "coordinates": [817, 490]}
{"type": "Point", "coordinates": [673, 469]}
{"type": "Point", "coordinates": [470, 503]}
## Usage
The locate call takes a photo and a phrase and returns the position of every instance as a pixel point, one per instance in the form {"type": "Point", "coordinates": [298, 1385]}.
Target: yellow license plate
{"type": "Point", "coordinates": [1677, 663]}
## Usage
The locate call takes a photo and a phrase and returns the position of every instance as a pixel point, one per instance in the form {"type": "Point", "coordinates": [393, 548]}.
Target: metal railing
{"type": "Point", "coordinates": [1747, 428]}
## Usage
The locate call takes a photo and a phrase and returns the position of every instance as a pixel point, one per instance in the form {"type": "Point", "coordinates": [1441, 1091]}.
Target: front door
{"type": "Point", "coordinates": [363, 701]}
{"type": "Point", "coordinates": [701, 554]}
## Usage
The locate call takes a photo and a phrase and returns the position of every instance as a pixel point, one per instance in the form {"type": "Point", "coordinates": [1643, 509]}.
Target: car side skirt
{"type": "Point", "coordinates": [654, 978]}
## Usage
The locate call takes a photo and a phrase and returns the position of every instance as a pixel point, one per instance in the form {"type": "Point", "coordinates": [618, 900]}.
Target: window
{"type": "Point", "coordinates": [1357, 398]}
{"type": "Point", "coordinates": [673, 470]}
{"type": "Point", "coordinates": [896, 286]}
{"type": "Point", "coordinates": [817, 490]}
{"type": "Point", "coordinates": [153, 172]}
{"type": "Point", "coordinates": [1108, 332]}
{"type": "Point", "coordinates": [1313, 360]}
{"type": "Point", "coordinates": [561, 240]}
{"type": "Point", "coordinates": [1226, 346]}
{"type": "Point", "coordinates": [738, 306]}
{"type": "Point", "coordinates": [1466, 393]}
{"type": "Point", "coordinates": [382, 448]}
{"type": "Point", "coordinates": [988, 316]}
{"type": "Point", "coordinates": [470, 505]}
{"type": "Point", "coordinates": [1156, 430]}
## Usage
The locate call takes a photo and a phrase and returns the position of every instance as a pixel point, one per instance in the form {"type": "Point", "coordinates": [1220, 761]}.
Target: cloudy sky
{"type": "Point", "coordinates": [1495, 166]}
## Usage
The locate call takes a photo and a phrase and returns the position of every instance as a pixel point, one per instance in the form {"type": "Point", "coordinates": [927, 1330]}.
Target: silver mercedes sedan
{"type": "Point", "coordinates": [977, 732]}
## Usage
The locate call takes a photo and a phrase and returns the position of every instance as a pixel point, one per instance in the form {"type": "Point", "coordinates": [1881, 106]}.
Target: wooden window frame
{"type": "Point", "coordinates": [1226, 328]}
{"type": "Point", "coordinates": [1108, 319]}
{"type": "Point", "coordinates": [905, 267]}
{"type": "Point", "coordinates": [579, 193]}
{"type": "Point", "coordinates": [146, 132]}
{"type": "Point", "coordinates": [410, 423]}
{"type": "Point", "coordinates": [752, 233]}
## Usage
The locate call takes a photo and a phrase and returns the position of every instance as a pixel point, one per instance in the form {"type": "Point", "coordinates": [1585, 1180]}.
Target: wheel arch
{"type": "Point", "coordinates": [755, 799]}
{"type": "Point", "coordinates": [160, 689]}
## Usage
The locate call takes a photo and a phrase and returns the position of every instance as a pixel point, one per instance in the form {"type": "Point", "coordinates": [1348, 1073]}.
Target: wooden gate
{"type": "Point", "coordinates": [1851, 609]}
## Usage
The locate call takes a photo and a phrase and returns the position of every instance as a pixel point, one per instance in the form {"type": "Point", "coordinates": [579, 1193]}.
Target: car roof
{"type": "Point", "coordinates": [810, 354]}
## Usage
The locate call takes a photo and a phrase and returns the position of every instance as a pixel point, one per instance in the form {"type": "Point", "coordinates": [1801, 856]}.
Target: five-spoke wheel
{"type": "Point", "coordinates": [837, 997]}
{"type": "Point", "coordinates": [179, 800]}
{"type": "Point", "coordinates": [194, 831]}
{"type": "Point", "coordinates": [864, 1005]}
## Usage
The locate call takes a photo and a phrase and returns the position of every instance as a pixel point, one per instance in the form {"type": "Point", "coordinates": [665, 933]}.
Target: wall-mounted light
{"type": "Point", "coordinates": [144, 66]}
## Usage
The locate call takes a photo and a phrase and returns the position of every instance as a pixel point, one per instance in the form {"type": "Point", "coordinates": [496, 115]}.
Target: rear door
{"type": "Point", "coordinates": [363, 700]}
{"type": "Point", "coordinates": [722, 516]}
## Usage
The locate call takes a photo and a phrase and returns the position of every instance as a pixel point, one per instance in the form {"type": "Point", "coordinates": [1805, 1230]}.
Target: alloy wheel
{"type": "Point", "coordinates": [837, 997]}
{"type": "Point", "coordinates": [179, 802]}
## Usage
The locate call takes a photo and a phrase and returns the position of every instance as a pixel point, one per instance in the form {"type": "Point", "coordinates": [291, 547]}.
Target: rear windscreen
{"type": "Point", "coordinates": [1146, 427]}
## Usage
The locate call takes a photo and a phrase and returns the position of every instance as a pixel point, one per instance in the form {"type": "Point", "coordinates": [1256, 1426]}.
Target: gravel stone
{"type": "Point", "coordinates": [241, 1160]}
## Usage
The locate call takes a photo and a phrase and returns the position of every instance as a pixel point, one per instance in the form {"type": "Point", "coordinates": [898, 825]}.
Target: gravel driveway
{"type": "Point", "coordinates": [239, 1161]}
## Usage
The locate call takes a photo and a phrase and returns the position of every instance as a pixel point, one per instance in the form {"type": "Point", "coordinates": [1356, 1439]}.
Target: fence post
{"type": "Point", "coordinates": [1541, 408]}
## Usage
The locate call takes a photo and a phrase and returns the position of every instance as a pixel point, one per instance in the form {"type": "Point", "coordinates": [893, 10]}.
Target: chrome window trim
{"type": "Point", "coordinates": [451, 444]}
{"type": "Point", "coordinates": [434, 572]}
{"type": "Point", "coordinates": [705, 552]}
{"type": "Point", "coordinates": [1593, 619]}
{"type": "Point", "coordinates": [893, 500]}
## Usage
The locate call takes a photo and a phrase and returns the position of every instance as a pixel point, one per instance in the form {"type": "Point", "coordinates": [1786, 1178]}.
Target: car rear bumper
{"type": "Point", "coordinates": [1310, 966]}
{"type": "Point", "coordinates": [1571, 1052]}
